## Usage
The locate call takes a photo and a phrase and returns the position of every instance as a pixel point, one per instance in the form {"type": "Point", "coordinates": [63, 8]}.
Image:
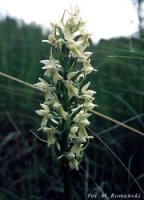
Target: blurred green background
{"type": "Point", "coordinates": [26, 168]}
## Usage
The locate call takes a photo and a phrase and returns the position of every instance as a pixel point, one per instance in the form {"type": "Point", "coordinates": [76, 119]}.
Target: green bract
{"type": "Point", "coordinates": [68, 99]}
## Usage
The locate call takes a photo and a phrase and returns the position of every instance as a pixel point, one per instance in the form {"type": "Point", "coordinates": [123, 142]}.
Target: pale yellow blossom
{"type": "Point", "coordinates": [73, 91]}
{"type": "Point", "coordinates": [83, 133]}
{"type": "Point", "coordinates": [77, 149]}
{"type": "Point", "coordinates": [58, 107]}
{"type": "Point", "coordinates": [73, 163]}
{"type": "Point", "coordinates": [50, 135]}
{"type": "Point", "coordinates": [81, 118]}
{"type": "Point", "coordinates": [73, 131]}
{"type": "Point", "coordinates": [87, 66]}
{"type": "Point", "coordinates": [43, 112]}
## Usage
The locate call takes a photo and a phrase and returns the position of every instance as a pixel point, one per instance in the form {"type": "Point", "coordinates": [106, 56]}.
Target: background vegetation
{"type": "Point", "coordinates": [26, 169]}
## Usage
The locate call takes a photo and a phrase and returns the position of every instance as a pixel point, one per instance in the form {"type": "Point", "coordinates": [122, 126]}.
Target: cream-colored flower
{"type": "Point", "coordinates": [81, 118]}
{"type": "Point", "coordinates": [87, 66]}
{"type": "Point", "coordinates": [70, 75]}
{"type": "Point", "coordinates": [87, 94]}
{"type": "Point", "coordinates": [85, 87]}
{"type": "Point", "coordinates": [74, 48]}
{"type": "Point", "coordinates": [83, 133]}
{"type": "Point", "coordinates": [73, 91]}
{"type": "Point", "coordinates": [50, 64]}
{"type": "Point", "coordinates": [44, 86]}
{"type": "Point", "coordinates": [69, 19]}
{"type": "Point", "coordinates": [84, 56]}
{"type": "Point", "coordinates": [50, 135]}
{"type": "Point", "coordinates": [43, 112]}
{"type": "Point", "coordinates": [88, 105]}
{"type": "Point", "coordinates": [56, 76]}
{"type": "Point", "coordinates": [73, 131]}
{"type": "Point", "coordinates": [73, 163]}
{"type": "Point", "coordinates": [52, 39]}
{"type": "Point", "coordinates": [58, 107]}
{"type": "Point", "coordinates": [52, 68]}
{"type": "Point", "coordinates": [77, 149]}
{"type": "Point", "coordinates": [70, 155]}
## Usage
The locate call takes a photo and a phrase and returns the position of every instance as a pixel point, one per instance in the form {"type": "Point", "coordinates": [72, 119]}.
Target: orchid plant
{"type": "Point", "coordinates": [68, 99]}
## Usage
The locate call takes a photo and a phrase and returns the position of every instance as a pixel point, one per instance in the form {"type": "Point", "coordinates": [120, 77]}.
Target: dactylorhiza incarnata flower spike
{"type": "Point", "coordinates": [68, 99]}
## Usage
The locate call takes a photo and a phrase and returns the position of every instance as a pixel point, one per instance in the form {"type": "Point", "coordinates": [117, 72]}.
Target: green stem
{"type": "Point", "coordinates": [66, 169]}
{"type": "Point", "coordinates": [65, 164]}
{"type": "Point", "coordinates": [64, 149]}
{"type": "Point", "coordinates": [67, 181]}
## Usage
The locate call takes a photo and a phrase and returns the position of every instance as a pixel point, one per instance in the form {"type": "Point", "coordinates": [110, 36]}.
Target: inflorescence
{"type": "Point", "coordinates": [68, 99]}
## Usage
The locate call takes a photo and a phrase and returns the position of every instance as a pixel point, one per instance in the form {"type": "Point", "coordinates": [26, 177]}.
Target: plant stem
{"type": "Point", "coordinates": [66, 169]}
{"type": "Point", "coordinates": [67, 182]}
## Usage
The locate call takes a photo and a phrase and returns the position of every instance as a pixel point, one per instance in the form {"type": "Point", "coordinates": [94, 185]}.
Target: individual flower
{"type": "Point", "coordinates": [83, 133]}
{"type": "Point", "coordinates": [77, 149]}
{"type": "Point", "coordinates": [74, 48]}
{"type": "Point", "coordinates": [52, 68]}
{"type": "Point", "coordinates": [84, 56]}
{"type": "Point", "coordinates": [50, 64]}
{"type": "Point", "coordinates": [72, 90]}
{"type": "Point", "coordinates": [82, 118]}
{"type": "Point", "coordinates": [73, 131]}
{"type": "Point", "coordinates": [55, 75]}
{"type": "Point", "coordinates": [70, 75]}
{"type": "Point", "coordinates": [50, 135]}
{"type": "Point", "coordinates": [89, 105]}
{"type": "Point", "coordinates": [87, 66]}
{"type": "Point", "coordinates": [44, 113]}
{"type": "Point", "coordinates": [86, 93]}
{"type": "Point", "coordinates": [58, 107]}
{"type": "Point", "coordinates": [44, 86]}
{"type": "Point", "coordinates": [73, 163]}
